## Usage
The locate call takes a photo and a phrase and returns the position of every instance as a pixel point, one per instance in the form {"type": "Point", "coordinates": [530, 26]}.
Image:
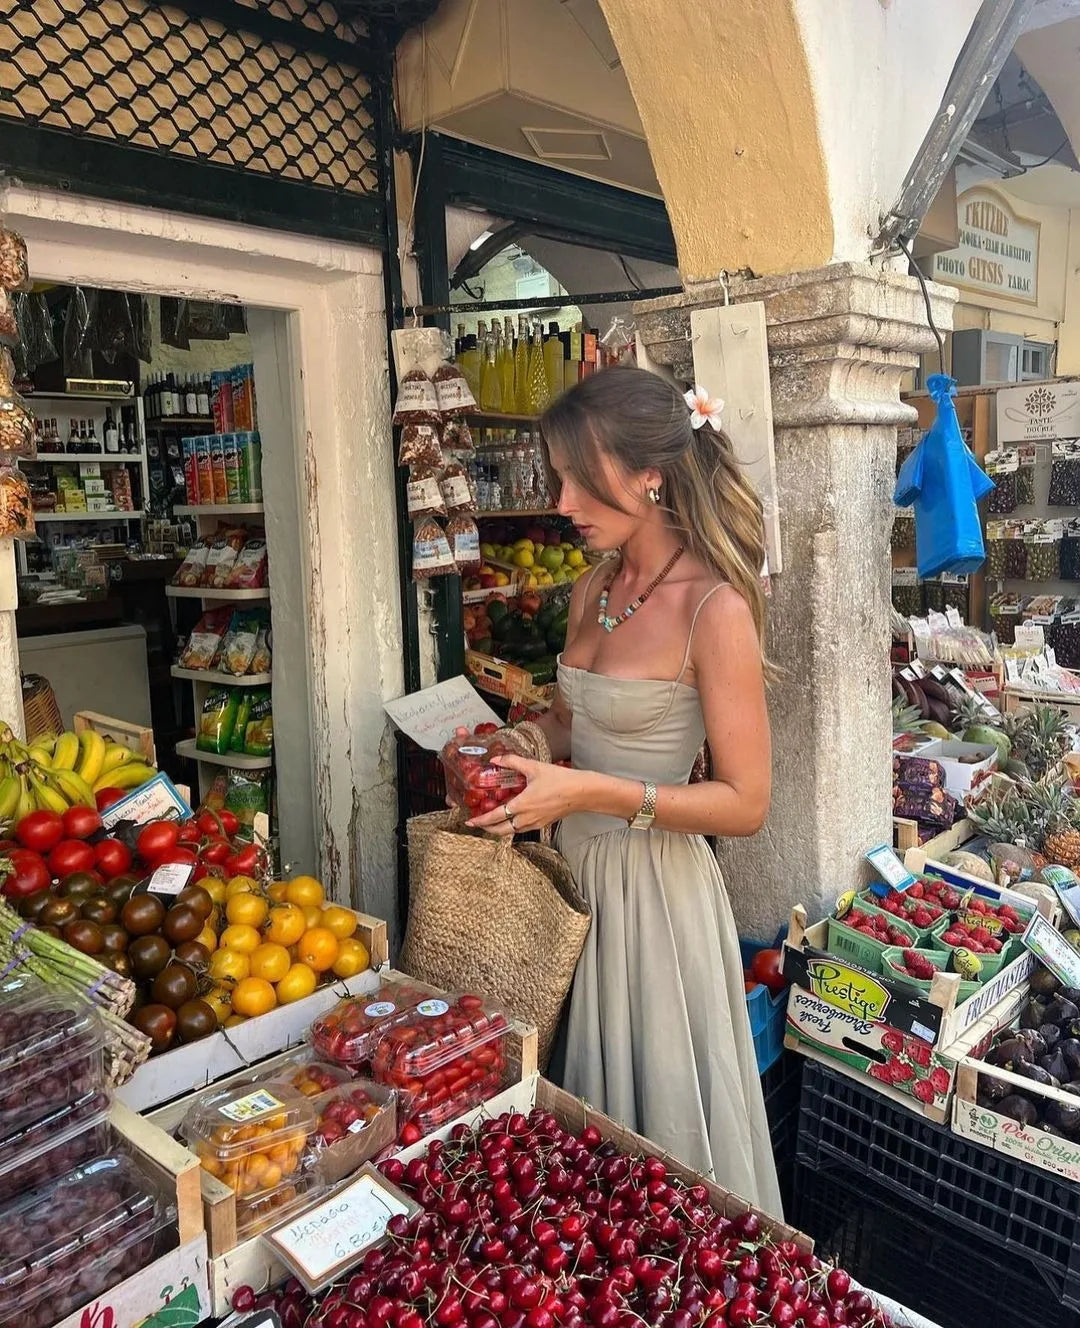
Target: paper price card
{"type": "Point", "coordinates": [326, 1241]}
{"type": "Point", "coordinates": [1048, 945]}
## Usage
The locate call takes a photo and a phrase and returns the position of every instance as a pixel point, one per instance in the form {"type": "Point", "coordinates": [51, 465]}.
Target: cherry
{"type": "Point", "coordinates": [838, 1284]}
{"type": "Point", "coordinates": [243, 1300]}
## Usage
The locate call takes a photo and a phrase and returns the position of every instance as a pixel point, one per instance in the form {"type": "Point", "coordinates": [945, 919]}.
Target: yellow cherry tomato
{"type": "Point", "coordinates": [219, 1000]}
{"type": "Point", "coordinates": [285, 924]}
{"type": "Point", "coordinates": [214, 887]}
{"type": "Point", "coordinates": [208, 937]}
{"type": "Point", "coordinates": [240, 937]}
{"type": "Point", "coordinates": [318, 948]}
{"type": "Point", "coordinates": [352, 958]}
{"type": "Point", "coordinates": [252, 996]}
{"type": "Point", "coordinates": [270, 961]}
{"type": "Point", "coordinates": [298, 982]}
{"type": "Point", "coordinates": [228, 966]}
{"type": "Point", "coordinates": [312, 916]}
{"type": "Point", "coordinates": [304, 890]}
{"type": "Point", "coordinates": [240, 885]}
{"type": "Point", "coordinates": [277, 891]}
{"type": "Point", "coordinates": [234, 1020]}
{"type": "Point", "coordinates": [251, 910]}
{"type": "Point", "coordinates": [341, 921]}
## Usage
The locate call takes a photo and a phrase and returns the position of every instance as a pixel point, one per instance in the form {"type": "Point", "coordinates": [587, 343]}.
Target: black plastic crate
{"type": "Point", "coordinates": [781, 1085]}
{"type": "Point", "coordinates": [922, 1261]}
{"type": "Point", "coordinates": [846, 1128]}
{"type": "Point", "coordinates": [421, 782]}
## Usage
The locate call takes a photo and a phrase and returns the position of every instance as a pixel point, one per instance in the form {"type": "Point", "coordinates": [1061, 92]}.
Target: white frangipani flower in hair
{"type": "Point", "coordinates": [704, 408]}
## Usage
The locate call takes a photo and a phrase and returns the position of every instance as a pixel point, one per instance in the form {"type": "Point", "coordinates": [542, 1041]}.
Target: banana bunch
{"type": "Point", "coordinates": [53, 774]}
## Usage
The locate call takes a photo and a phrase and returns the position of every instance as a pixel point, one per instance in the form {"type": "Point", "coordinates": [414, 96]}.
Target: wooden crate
{"type": "Point", "coordinates": [136, 736]}
{"type": "Point", "coordinates": [1016, 700]}
{"type": "Point", "coordinates": [906, 836]}
{"type": "Point", "coordinates": [176, 1168]}
{"type": "Point", "coordinates": [509, 681]}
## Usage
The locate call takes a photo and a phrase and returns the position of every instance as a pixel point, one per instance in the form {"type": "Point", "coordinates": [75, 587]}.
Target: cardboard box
{"type": "Point", "coordinates": [961, 775]}
{"type": "Point", "coordinates": [100, 504]}
{"type": "Point", "coordinates": [92, 487]}
{"type": "Point", "coordinates": [176, 1287]}
{"type": "Point", "coordinates": [89, 470]}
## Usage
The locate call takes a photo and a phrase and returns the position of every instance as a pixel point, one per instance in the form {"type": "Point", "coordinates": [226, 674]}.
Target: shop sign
{"type": "Point", "coordinates": [1038, 411]}
{"type": "Point", "coordinates": [998, 252]}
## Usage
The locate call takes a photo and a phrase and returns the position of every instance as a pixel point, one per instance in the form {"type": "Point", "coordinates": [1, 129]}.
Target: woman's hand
{"type": "Point", "coordinates": [552, 793]}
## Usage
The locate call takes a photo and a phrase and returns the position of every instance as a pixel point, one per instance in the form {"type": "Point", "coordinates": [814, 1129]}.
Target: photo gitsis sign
{"type": "Point", "coordinates": [998, 252]}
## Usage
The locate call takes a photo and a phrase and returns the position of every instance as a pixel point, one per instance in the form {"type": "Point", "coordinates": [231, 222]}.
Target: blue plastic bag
{"type": "Point", "coordinates": [942, 481]}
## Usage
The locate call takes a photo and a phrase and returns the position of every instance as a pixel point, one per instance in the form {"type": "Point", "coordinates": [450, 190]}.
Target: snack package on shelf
{"type": "Point", "coordinates": [417, 402]}
{"type": "Point", "coordinates": [16, 427]}
{"type": "Point", "coordinates": [243, 715]}
{"type": "Point", "coordinates": [247, 794]}
{"type": "Point", "coordinates": [239, 644]}
{"type": "Point", "coordinates": [431, 551]}
{"type": "Point", "coordinates": [217, 721]}
{"type": "Point", "coordinates": [16, 504]}
{"type": "Point", "coordinates": [222, 557]}
{"type": "Point", "coordinates": [249, 572]}
{"type": "Point", "coordinates": [204, 643]}
{"type": "Point", "coordinates": [193, 568]}
{"type": "Point", "coordinates": [452, 392]}
{"type": "Point", "coordinates": [259, 730]}
{"type": "Point", "coordinates": [262, 659]}
{"type": "Point", "coordinates": [419, 446]}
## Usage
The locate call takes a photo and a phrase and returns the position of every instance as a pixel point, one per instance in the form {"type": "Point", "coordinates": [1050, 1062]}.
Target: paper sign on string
{"type": "Point", "coordinates": [323, 1243]}
{"type": "Point", "coordinates": [431, 716]}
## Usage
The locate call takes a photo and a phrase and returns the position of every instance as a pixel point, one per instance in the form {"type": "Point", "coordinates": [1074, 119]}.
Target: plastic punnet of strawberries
{"type": "Point", "coordinates": [877, 927]}
{"type": "Point", "coordinates": [525, 1224]}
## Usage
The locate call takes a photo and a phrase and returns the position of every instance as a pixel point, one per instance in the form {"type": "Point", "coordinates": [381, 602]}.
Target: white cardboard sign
{"type": "Point", "coordinates": [431, 716]}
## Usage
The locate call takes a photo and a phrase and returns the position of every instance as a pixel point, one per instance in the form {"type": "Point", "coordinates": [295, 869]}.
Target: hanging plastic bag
{"type": "Point", "coordinates": [942, 481]}
{"type": "Point", "coordinates": [174, 323]}
{"type": "Point", "coordinates": [78, 361]}
{"type": "Point", "coordinates": [140, 322]}
{"type": "Point", "coordinates": [114, 333]}
{"type": "Point", "coordinates": [206, 321]}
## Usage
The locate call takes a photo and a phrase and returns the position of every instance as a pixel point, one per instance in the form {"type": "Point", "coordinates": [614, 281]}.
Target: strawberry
{"type": "Point", "coordinates": [917, 891]}
{"type": "Point", "coordinates": [918, 1051]}
{"type": "Point", "coordinates": [982, 935]}
{"type": "Point", "coordinates": [939, 1080]}
{"type": "Point", "coordinates": [922, 918]}
{"type": "Point", "coordinates": [902, 1072]}
{"type": "Point", "coordinates": [924, 1091]}
{"type": "Point", "coordinates": [893, 1040]}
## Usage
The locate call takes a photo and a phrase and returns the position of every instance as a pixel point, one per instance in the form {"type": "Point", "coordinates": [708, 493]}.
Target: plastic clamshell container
{"type": "Point", "coordinates": [74, 1238]}
{"type": "Point", "coordinates": [50, 1147]}
{"type": "Point", "coordinates": [348, 1034]}
{"type": "Point", "coordinates": [357, 1120]}
{"type": "Point", "coordinates": [471, 778]}
{"type": "Point", "coordinates": [314, 1078]}
{"type": "Point", "coordinates": [50, 1053]}
{"type": "Point", "coordinates": [430, 1114]}
{"type": "Point", "coordinates": [270, 1208]}
{"type": "Point", "coordinates": [991, 963]}
{"type": "Point", "coordinates": [446, 1046]}
{"type": "Point", "coordinates": [252, 1137]}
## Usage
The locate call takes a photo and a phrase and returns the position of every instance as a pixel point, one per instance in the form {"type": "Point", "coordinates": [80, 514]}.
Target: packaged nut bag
{"type": "Point", "coordinates": [423, 497]}
{"type": "Point", "coordinates": [452, 391]}
{"type": "Point", "coordinates": [16, 507]}
{"type": "Point", "coordinates": [416, 400]}
{"type": "Point", "coordinates": [419, 446]}
{"type": "Point", "coordinates": [457, 437]}
{"type": "Point", "coordinates": [16, 428]}
{"type": "Point", "coordinates": [9, 324]}
{"type": "Point", "coordinates": [431, 552]}
{"type": "Point", "coordinates": [457, 490]}
{"type": "Point", "coordinates": [14, 267]}
{"type": "Point", "coordinates": [464, 538]}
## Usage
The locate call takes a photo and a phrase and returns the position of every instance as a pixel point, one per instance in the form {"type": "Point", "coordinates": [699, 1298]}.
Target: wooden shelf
{"type": "Point", "coordinates": [106, 397]}
{"type": "Point", "coordinates": [72, 458]}
{"type": "Point", "coordinates": [494, 419]}
{"type": "Point", "coordinates": [87, 516]}
{"type": "Point", "coordinates": [209, 592]}
{"type": "Point", "coordinates": [221, 679]}
{"type": "Point", "coordinates": [519, 511]}
{"type": "Point", "coordinates": [237, 760]}
{"type": "Point", "coordinates": [219, 509]}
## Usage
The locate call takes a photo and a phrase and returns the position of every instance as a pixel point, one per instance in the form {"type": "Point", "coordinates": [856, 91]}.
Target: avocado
{"type": "Point", "coordinates": [497, 609]}
{"type": "Point", "coordinates": [502, 628]}
{"type": "Point", "coordinates": [530, 650]}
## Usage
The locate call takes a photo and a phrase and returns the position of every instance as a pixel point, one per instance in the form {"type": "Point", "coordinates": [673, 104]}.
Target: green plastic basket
{"type": "Point", "coordinates": [847, 943]}
{"type": "Point", "coordinates": [991, 964]}
{"type": "Point", "coordinates": [893, 957]}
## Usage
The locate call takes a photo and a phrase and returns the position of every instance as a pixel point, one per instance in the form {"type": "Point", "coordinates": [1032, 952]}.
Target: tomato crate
{"type": "Point", "coordinates": [846, 1129]}
{"type": "Point", "coordinates": [765, 1009]}
{"type": "Point", "coordinates": [957, 1280]}
{"type": "Point", "coordinates": [781, 1087]}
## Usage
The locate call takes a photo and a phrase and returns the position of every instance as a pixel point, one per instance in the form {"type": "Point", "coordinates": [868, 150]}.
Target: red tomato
{"type": "Point", "coordinates": [112, 857]}
{"type": "Point", "coordinates": [488, 727]}
{"type": "Point", "coordinates": [107, 796]}
{"type": "Point", "coordinates": [71, 855]}
{"type": "Point", "coordinates": [216, 852]}
{"type": "Point", "coordinates": [766, 970]}
{"type": "Point", "coordinates": [29, 873]}
{"type": "Point", "coordinates": [250, 861]}
{"type": "Point", "coordinates": [81, 823]}
{"type": "Point", "coordinates": [410, 1134]}
{"type": "Point", "coordinates": [181, 853]}
{"type": "Point", "coordinates": [218, 823]}
{"type": "Point", "coordinates": [157, 839]}
{"type": "Point", "coordinates": [40, 831]}
{"type": "Point", "coordinates": [189, 833]}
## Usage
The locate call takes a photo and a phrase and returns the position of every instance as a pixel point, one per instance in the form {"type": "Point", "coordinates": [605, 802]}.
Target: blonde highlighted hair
{"type": "Point", "coordinates": [641, 420]}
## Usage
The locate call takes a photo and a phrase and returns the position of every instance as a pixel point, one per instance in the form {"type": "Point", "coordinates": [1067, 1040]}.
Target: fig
{"type": "Point", "coordinates": [993, 1089]}
{"type": "Point", "coordinates": [1018, 1108]}
{"type": "Point", "coordinates": [1055, 1066]}
{"type": "Point", "coordinates": [1060, 1011]}
{"type": "Point", "coordinates": [1051, 1035]}
{"type": "Point", "coordinates": [1070, 1049]}
{"type": "Point", "coordinates": [1073, 1088]}
{"type": "Point", "coordinates": [1049, 1129]}
{"type": "Point", "coordinates": [1009, 1054]}
{"type": "Point", "coordinates": [1033, 1040]}
{"type": "Point", "coordinates": [1065, 1118]}
{"type": "Point", "coordinates": [1034, 1014]}
{"type": "Point", "coordinates": [1038, 1075]}
{"type": "Point", "coordinates": [1071, 994]}
{"type": "Point", "coordinates": [1043, 983]}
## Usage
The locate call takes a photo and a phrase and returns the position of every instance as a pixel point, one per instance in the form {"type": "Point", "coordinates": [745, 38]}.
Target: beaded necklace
{"type": "Point", "coordinates": [609, 624]}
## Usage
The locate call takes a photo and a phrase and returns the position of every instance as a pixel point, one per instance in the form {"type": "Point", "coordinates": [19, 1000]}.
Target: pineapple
{"type": "Point", "coordinates": [905, 718]}
{"type": "Point", "coordinates": [1056, 807]}
{"type": "Point", "coordinates": [1040, 738]}
{"type": "Point", "coordinates": [1003, 816]}
{"type": "Point", "coordinates": [968, 713]}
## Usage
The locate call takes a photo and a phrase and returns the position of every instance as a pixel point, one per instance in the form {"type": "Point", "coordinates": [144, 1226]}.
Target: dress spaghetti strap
{"type": "Point", "coordinates": [693, 623]}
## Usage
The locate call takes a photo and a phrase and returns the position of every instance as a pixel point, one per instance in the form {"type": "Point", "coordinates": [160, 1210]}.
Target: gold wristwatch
{"type": "Point", "coordinates": [646, 813]}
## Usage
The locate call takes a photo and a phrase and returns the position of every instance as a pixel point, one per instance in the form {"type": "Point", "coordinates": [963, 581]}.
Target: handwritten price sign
{"type": "Point", "coordinates": [324, 1242]}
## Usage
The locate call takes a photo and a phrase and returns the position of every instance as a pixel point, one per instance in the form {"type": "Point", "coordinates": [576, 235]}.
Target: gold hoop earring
{"type": "Point", "coordinates": [654, 495]}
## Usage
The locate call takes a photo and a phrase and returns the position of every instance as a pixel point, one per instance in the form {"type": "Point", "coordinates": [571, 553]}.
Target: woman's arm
{"type": "Point", "coordinates": [727, 668]}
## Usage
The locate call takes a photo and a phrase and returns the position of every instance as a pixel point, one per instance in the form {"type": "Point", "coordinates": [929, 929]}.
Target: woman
{"type": "Point", "coordinates": [664, 649]}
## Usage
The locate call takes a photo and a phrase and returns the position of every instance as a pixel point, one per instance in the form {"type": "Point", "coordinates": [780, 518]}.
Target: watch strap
{"type": "Point", "coordinates": [646, 813]}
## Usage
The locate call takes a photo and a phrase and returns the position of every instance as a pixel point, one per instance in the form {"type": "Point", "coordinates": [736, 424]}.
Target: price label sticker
{"type": "Point", "coordinates": [252, 1106]}
{"type": "Point", "coordinates": [323, 1243]}
{"type": "Point", "coordinates": [170, 879]}
{"type": "Point", "coordinates": [888, 866]}
{"type": "Point", "coordinates": [972, 918]}
{"type": "Point", "coordinates": [1047, 944]}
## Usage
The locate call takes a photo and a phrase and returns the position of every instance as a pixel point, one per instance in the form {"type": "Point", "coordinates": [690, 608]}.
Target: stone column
{"type": "Point", "coordinates": [840, 340]}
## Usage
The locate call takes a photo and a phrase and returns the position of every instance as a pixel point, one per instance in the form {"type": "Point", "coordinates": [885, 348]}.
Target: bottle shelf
{"type": "Point", "coordinates": [107, 398]}
{"type": "Point", "coordinates": [167, 421]}
{"type": "Point", "coordinates": [237, 760]}
{"type": "Point", "coordinates": [209, 592]}
{"type": "Point", "coordinates": [221, 679]}
{"type": "Point", "coordinates": [69, 458]}
{"type": "Point", "coordinates": [219, 509]}
{"type": "Point", "coordinates": [87, 516]}
{"type": "Point", "coordinates": [519, 511]}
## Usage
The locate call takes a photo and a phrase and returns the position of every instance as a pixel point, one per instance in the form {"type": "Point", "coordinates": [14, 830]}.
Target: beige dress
{"type": "Point", "coordinates": [658, 1036]}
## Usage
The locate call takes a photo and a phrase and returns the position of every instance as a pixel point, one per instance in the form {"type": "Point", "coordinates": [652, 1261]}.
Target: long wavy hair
{"type": "Point", "coordinates": [641, 420]}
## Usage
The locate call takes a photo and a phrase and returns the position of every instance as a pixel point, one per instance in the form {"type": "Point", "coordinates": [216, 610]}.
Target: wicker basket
{"type": "Point", "coordinates": [40, 709]}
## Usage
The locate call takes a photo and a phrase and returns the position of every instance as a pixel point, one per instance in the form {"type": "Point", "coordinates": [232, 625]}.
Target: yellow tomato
{"type": "Point", "coordinates": [228, 966]}
{"type": "Point", "coordinates": [277, 891]}
{"type": "Point", "coordinates": [240, 885]}
{"type": "Point", "coordinates": [297, 983]}
{"type": "Point", "coordinates": [251, 910]}
{"type": "Point", "coordinates": [352, 958]}
{"type": "Point", "coordinates": [318, 948]}
{"type": "Point", "coordinates": [340, 921]}
{"type": "Point", "coordinates": [253, 996]}
{"type": "Point", "coordinates": [312, 916]}
{"type": "Point", "coordinates": [285, 924]}
{"type": "Point", "coordinates": [270, 961]}
{"type": "Point", "coordinates": [219, 1000]}
{"type": "Point", "coordinates": [304, 890]}
{"type": "Point", "coordinates": [240, 937]}
{"type": "Point", "coordinates": [214, 887]}
{"type": "Point", "coordinates": [208, 937]}
{"type": "Point", "coordinates": [234, 1020]}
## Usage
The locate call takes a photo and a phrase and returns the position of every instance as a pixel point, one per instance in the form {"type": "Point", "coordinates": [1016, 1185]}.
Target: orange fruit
{"type": "Point", "coordinates": [352, 958]}
{"type": "Point", "coordinates": [229, 966]}
{"type": "Point", "coordinates": [270, 961]}
{"type": "Point", "coordinates": [298, 982]}
{"type": "Point", "coordinates": [304, 890]}
{"type": "Point", "coordinates": [240, 937]}
{"type": "Point", "coordinates": [285, 924]}
{"type": "Point", "coordinates": [318, 948]}
{"type": "Point", "coordinates": [246, 908]}
{"type": "Point", "coordinates": [341, 921]}
{"type": "Point", "coordinates": [253, 996]}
